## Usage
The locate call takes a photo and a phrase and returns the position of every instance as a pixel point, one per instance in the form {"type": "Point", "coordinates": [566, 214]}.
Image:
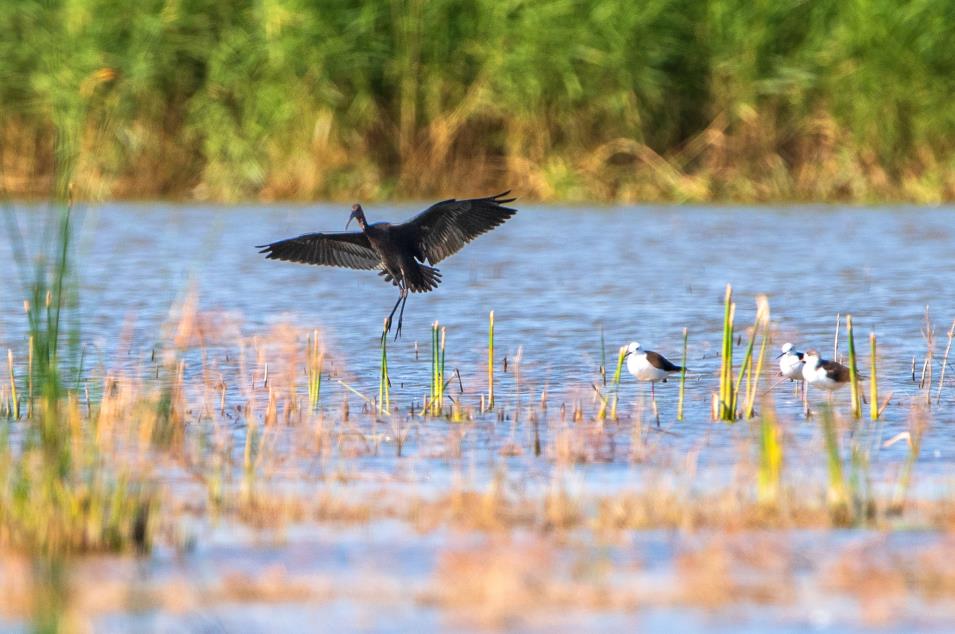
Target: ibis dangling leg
{"type": "Point", "coordinates": [401, 313]}
{"type": "Point", "coordinates": [402, 300]}
{"type": "Point", "coordinates": [401, 296]}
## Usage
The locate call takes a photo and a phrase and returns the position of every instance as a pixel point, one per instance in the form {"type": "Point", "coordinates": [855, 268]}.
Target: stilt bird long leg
{"type": "Point", "coordinates": [404, 300]}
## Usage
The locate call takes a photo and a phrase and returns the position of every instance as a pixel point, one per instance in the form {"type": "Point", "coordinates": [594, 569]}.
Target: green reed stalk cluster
{"type": "Point", "coordinates": [315, 360]}
{"type": "Point", "coordinates": [760, 325]}
{"type": "Point", "coordinates": [56, 496]}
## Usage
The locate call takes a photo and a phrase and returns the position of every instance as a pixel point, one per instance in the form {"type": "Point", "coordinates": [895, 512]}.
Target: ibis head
{"type": "Point", "coordinates": [358, 214]}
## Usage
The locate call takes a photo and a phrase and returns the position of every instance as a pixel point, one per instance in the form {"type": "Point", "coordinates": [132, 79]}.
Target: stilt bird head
{"type": "Point", "coordinates": [632, 347]}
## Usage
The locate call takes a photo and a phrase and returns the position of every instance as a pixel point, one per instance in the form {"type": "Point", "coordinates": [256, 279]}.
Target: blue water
{"type": "Point", "coordinates": [556, 277]}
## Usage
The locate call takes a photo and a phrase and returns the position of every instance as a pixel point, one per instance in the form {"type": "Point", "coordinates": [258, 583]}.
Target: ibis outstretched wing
{"type": "Point", "coordinates": [348, 249]}
{"type": "Point", "coordinates": [445, 227]}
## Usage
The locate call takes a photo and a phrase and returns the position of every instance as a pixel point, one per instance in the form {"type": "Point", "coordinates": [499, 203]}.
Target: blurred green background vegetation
{"type": "Point", "coordinates": [611, 99]}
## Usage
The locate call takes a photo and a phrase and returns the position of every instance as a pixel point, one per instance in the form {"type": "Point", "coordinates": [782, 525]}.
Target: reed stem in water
{"type": "Point", "coordinates": [941, 378]}
{"type": "Point", "coordinates": [490, 361]}
{"type": "Point", "coordinates": [384, 382]}
{"type": "Point", "coordinates": [315, 362]}
{"type": "Point", "coordinates": [874, 379]}
{"type": "Point", "coordinates": [856, 401]}
{"type": "Point", "coordinates": [14, 400]}
{"type": "Point", "coordinates": [679, 403]}
{"type": "Point", "coordinates": [762, 319]}
{"type": "Point", "coordinates": [726, 363]}
{"type": "Point", "coordinates": [616, 381]}
{"type": "Point", "coordinates": [770, 457]}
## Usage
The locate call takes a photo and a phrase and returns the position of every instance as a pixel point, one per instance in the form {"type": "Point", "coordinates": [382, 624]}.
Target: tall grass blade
{"type": "Point", "coordinates": [14, 400]}
{"type": "Point", "coordinates": [726, 359]}
{"type": "Point", "coordinates": [616, 381]}
{"type": "Point", "coordinates": [838, 492]}
{"type": "Point", "coordinates": [855, 395]}
{"type": "Point", "coordinates": [770, 457]}
{"type": "Point", "coordinates": [490, 362]}
{"type": "Point", "coordinates": [763, 321]}
{"type": "Point", "coordinates": [874, 379]}
{"type": "Point", "coordinates": [941, 378]}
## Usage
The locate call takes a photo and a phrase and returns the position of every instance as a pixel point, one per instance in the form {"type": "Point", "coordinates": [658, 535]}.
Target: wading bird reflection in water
{"type": "Point", "coordinates": [399, 251]}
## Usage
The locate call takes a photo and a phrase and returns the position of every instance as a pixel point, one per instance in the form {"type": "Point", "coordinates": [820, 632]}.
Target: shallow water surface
{"type": "Point", "coordinates": [556, 277]}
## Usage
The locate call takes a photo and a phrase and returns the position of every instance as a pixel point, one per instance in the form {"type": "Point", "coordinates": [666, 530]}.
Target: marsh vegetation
{"type": "Point", "coordinates": [220, 449]}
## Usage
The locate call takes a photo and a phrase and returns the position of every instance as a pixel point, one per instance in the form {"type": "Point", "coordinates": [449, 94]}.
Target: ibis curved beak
{"type": "Point", "coordinates": [780, 354]}
{"type": "Point", "coordinates": [350, 218]}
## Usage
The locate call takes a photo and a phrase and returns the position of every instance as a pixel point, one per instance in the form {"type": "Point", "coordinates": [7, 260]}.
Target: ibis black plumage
{"type": "Point", "coordinates": [400, 252]}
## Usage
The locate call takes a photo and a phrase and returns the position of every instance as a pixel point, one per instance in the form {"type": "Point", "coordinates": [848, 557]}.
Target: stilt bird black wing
{"type": "Point", "coordinates": [349, 250]}
{"type": "Point", "coordinates": [445, 227]}
{"type": "Point", "coordinates": [835, 371]}
{"type": "Point", "coordinates": [657, 360]}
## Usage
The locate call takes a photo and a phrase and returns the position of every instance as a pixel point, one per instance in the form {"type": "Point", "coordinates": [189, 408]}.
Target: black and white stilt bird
{"type": "Point", "coordinates": [822, 373]}
{"type": "Point", "coordinates": [399, 251]}
{"type": "Point", "coordinates": [790, 363]}
{"type": "Point", "coordinates": [647, 365]}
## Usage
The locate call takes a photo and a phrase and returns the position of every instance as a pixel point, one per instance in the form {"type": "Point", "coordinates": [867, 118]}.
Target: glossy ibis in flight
{"type": "Point", "coordinates": [399, 251]}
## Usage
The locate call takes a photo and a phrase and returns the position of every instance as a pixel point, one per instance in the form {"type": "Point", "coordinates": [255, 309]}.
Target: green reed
{"type": "Point", "coordinates": [442, 382]}
{"type": "Point", "coordinates": [917, 425]}
{"type": "Point", "coordinates": [769, 475]}
{"type": "Point", "coordinates": [760, 327]}
{"type": "Point", "coordinates": [56, 495]}
{"type": "Point", "coordinates": [602, 410]}
{"type": "Point", "coordinates": [616, 381]}
{"type": "Point", "coordinates": [438, 341]}
{"type": "Point", "coordinates": [679, 402]}
{"type": "Point", "coordinates": [874, 379]}
{"type": "Point", "coordinates": [14, 400]}
{"type": "Point", "coordinates": [838, 491]}
{"type": "Point", "coordinates": [746, 369]}
{"type": "Point", "coordinates": [384, 382]}
{"type": "Point", "coordinates": [490, 362]}
{"type": "Point", "coordinates": [725, 407]}
{"type": "Point", "coordinates": [855, 396]}
{"type": "Point", "coordinates": [941, 378]}
{"type": "Point", "coordinates": [603, 357]}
